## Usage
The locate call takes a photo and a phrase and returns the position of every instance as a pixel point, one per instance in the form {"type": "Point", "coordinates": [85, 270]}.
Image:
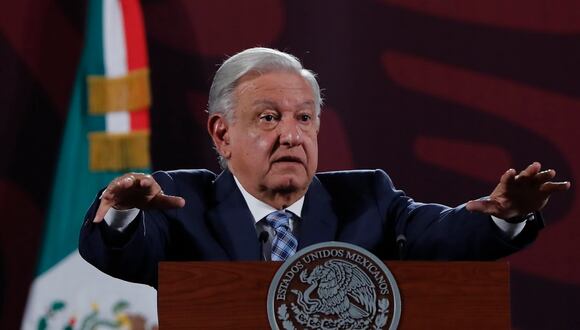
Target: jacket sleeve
{"type": "Point", "coordinates": [439, 232]}
{"type": "Point", "coordinates": [133, 254]}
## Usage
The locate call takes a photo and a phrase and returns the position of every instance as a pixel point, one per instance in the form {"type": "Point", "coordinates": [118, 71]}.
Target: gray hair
{"type": "Point", "coordinates": [253, 60]}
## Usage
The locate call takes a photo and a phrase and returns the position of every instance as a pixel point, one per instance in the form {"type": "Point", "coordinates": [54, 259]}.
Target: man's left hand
{"type": "Point", "coordinates": [517, 195]}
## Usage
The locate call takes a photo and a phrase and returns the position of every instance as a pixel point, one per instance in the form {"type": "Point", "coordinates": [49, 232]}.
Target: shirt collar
{"type": "Point", "coordinates": [260, 209]}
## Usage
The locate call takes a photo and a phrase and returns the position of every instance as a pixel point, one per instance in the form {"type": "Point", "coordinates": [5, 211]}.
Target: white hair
{"type": "Point", "coordinates": [254, 60]}
{"type": "Point", "coordinates": [259, 60]}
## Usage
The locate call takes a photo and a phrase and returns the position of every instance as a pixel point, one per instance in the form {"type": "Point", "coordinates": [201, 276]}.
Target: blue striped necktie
{"type": "Point", "coordinates": [284, 244]}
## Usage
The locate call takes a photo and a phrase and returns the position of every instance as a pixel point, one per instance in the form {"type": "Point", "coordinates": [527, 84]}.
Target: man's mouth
{"type": "Point", "coordinates": [288, 159]}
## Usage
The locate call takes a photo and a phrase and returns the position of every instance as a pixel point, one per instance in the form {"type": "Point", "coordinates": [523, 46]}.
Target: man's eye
{"type": "Point", "coordinates": [267, 118]}
{"type": "Point", "coordinates": [305, 118]}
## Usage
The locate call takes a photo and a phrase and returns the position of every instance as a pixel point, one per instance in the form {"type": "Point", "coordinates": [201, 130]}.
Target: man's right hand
{"type": "Point", "coordinates": [135, 190]}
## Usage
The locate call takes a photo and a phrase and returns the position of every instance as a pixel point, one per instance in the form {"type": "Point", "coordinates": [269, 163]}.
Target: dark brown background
{"type": "Point", "coordinates": [443, 95]}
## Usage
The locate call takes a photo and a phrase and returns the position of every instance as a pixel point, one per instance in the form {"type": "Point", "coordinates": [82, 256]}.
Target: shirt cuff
{"type": "Point", "coordinates": [509, 229]}
{"type": "Point", "coordinates": [120, 219]}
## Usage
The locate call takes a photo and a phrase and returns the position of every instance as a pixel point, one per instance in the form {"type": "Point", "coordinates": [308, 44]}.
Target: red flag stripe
{"type": "Point", "coordinates": [136, 54]}
{"type": "Point", "coordinates": [139, 120]}
{"type": "Point", "coordinates": [134, 35]}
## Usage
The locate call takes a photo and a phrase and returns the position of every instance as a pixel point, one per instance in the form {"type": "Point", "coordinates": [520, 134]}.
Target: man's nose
{"type": "Point", "coordinates": [290, 132]}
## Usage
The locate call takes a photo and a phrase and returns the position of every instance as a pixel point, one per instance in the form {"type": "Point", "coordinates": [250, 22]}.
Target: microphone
{"type": "Point", "coordinates": [263, 238]}
{"type": "Point", "coordinates": [402, 246]}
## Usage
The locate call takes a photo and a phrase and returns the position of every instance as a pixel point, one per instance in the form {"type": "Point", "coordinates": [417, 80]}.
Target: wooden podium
{"type": "Point", "coordinates": [434, 295]}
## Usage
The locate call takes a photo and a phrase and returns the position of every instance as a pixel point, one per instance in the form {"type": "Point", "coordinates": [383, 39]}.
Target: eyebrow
{"type": "Point", "coordinates": [305, 104]}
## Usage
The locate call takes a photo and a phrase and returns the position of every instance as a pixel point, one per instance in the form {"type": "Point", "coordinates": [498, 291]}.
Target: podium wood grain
{"type": "Point", "coordinates": [233, 295]}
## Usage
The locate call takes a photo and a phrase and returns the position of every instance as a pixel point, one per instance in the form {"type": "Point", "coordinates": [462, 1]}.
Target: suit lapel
{"type": "Point", "coordinates": [319, 223]}
{"type": "Point", "coordinates": [232, 221]}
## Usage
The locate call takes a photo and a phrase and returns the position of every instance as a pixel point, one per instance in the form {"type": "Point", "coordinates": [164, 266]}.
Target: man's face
{"type": "Point", "coordinates": [271, 143]}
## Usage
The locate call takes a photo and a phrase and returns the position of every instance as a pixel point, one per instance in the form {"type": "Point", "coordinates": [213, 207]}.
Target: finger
{"type": "Point", "coordinates": [107, 194]}
{"type": "Point", "coordinates": [544, 176]}
{"type": "Point", "coordinates": [508, 176]}
{"type": "Point", "coordinates": [530, 171]}
{"type": "Point", "coordinates": [146, 181]}
{"type": "Point", "coordinates": [127, 181]}
{"type": "Point", "coordinates": [550, 187]}
{"type": "Point", "coordinates": [118, 184]}
{"type": "Point", "coordinates": [162, 201]}
{"type": "Point", "coordinates": [102, 210]}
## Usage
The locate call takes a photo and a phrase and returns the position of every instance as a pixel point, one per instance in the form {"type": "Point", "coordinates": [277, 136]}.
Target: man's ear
{"type": "Point", "coordinates": [218, 129]}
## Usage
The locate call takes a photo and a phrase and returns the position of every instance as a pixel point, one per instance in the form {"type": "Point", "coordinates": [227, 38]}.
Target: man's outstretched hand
{"type": "Point", "coordinates": [517, 195]}
{"type": "Point", "coordinates": [135, 190]}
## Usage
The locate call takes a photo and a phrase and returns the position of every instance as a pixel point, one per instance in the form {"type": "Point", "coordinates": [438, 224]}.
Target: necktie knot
{"type": "Point", "coordinates": [278, 220]}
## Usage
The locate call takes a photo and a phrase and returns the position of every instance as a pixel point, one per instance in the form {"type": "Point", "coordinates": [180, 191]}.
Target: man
{"type": "Point", "coordinates": [264, 111]}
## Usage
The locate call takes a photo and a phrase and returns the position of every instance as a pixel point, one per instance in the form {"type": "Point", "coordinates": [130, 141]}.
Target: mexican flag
{"type": "Point", "coordinates": [106, 134]}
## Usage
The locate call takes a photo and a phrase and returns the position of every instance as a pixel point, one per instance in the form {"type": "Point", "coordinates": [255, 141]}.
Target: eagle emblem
{"type": "Point", "coordinates": [342, 289]}
{"type": "Point", "coordinates": [333, 286]}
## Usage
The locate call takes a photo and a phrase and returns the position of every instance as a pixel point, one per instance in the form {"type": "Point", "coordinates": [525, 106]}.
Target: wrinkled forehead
{"type": "Point", "coordinates": [280, 76]}
{"type": "Point", "coordinates": [288, 88]}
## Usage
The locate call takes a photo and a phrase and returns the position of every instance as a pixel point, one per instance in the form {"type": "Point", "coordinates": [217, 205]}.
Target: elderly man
{"type": "Point", "coordinates": [268, 202]}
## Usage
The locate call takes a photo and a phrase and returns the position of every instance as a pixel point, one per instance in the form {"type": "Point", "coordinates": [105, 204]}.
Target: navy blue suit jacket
{"type": "Point", "coordinates": [358, 207]}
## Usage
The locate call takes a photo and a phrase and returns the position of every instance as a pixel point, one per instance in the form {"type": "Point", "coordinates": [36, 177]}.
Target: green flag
{"type": "Point", "coordinates": [106, 134]}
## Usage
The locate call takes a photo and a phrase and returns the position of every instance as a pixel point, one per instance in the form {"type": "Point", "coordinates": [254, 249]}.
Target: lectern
{"type": "Point", "coordinates": [434, 295]}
